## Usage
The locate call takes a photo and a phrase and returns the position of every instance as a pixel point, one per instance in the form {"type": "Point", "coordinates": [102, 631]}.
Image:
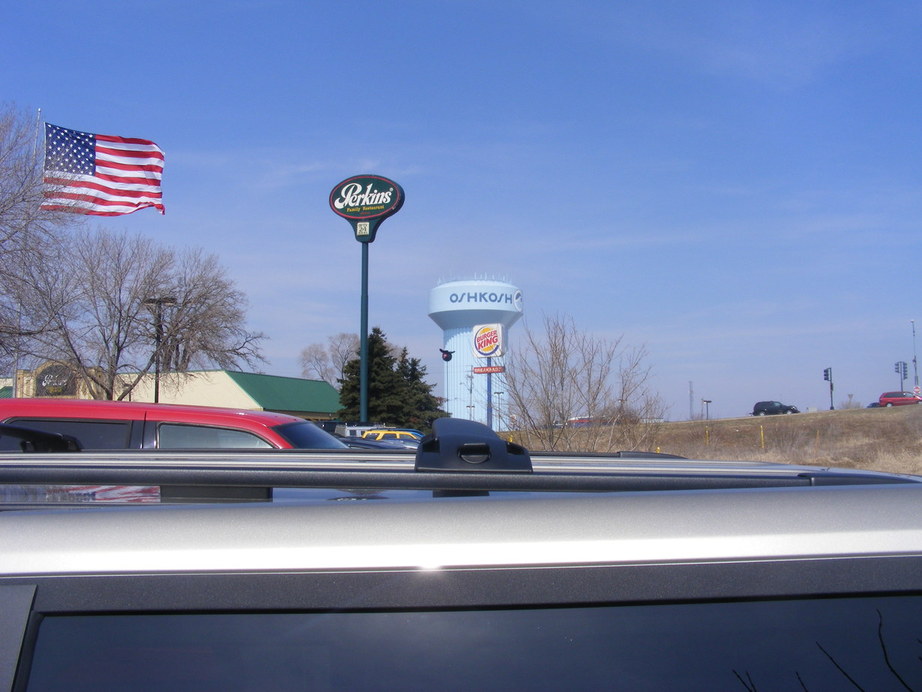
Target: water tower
{"type": "Point", "coordinates": [457, 307]}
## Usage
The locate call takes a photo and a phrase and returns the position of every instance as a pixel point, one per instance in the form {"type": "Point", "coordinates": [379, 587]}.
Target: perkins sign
{"type": "Point", "coordinates": [488, 340]}
{"type": "Point", "coordinates": [365, 201]}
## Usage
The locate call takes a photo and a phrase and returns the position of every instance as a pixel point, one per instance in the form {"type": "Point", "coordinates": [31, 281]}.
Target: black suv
{"type": "Point", "coordinates": [771, 408]}
{"type": "Point", "coordinates": [469, 565]}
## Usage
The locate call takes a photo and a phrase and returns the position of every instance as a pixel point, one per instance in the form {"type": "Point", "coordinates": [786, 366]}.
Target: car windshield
{"type": "Point", "coordinates": [307, 435]}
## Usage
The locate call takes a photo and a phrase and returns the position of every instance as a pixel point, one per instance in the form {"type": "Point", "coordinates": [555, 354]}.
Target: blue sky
{"type": "Point", "coordinates": [736, 186]}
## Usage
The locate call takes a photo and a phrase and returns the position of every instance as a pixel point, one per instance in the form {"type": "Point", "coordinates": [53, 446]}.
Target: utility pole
{"type": "Point", "coordinates": [499, 409]}
{"type": "Point", "coordinates": [915, 363]}
{"type": "Point", "coordinates": [470, 396]}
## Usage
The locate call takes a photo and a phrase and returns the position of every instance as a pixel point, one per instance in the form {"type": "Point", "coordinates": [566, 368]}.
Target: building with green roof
{"type": "Point", "coordinates": [313, 399]}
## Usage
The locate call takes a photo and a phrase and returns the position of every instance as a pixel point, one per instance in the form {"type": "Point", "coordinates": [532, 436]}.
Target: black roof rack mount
{"type": "Point", "coordinates": [466, 446]}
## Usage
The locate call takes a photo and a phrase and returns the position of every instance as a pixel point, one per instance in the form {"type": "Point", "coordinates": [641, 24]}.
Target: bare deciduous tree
{"type": "Point", "coordinates": [97, 299]}
{"type": "Point", "coordinates": [20, 179]}
{"type": "Point", "coordinates": [328, 363]}
{"type": "Point", "coordinates": [206, 323]}
{"type": "Point", "coordinates": [24, 225]}
{"type": "Point", "coordinates": [573, 391]}
{"type": "Point", "coordinates": [315, 363]}
{"type": "Point", "coordinates": [343, 347]}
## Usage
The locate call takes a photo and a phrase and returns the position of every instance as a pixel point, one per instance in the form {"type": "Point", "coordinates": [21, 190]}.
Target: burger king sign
{"type": "Point", "coordinates": [488, 341]}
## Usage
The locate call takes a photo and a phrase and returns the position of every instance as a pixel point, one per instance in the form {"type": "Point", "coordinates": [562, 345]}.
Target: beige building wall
{"type": "Point", "coordinates": [199, 388]}
{"type": "Point", "coordinates": [212, 388]}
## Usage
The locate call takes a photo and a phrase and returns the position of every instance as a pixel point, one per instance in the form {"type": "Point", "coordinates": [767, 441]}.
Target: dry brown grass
{"type": "Point", "coordinates": [879, 439]}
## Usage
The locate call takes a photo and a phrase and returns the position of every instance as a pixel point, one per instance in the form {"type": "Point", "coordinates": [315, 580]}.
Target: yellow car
{"type": "Point", "coordinates": [383, 434]}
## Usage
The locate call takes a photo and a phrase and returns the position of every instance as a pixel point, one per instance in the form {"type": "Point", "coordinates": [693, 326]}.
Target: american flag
{"type": "Point", "coordinates": [100, 174]}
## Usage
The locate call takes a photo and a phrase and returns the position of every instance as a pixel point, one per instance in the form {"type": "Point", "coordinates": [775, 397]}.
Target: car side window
{"type": "Point", "coordinates": [92, 434]}
{"type": "Point", "coordinates": [818, 643]}
{"type": "Point", "coordinates": [177, 436]}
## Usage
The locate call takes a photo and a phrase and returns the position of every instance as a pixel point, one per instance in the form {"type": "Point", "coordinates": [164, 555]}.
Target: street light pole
{"type": "Point", "coordinates": [157, 304]}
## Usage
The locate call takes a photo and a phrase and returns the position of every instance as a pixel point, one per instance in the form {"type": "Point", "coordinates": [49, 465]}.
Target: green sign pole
{"type": "Point", "coordinates": [365, 201]}
{"type": "Point", "coordinates": [363, 341]}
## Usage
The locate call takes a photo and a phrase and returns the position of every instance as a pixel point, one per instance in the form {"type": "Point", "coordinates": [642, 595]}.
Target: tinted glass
{"type": "Point", "coordinates": [174, 436]}
{"type": "Point", "coordinates": [769, 645]}
{"type": "Point", "coordinates": [93, 434]}
{"type": "Point", "coordinates": [308, 435]}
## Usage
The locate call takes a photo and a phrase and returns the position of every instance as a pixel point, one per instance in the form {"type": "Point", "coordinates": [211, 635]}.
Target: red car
{"type": "Point", "coordinates": [899, 398]}
{"type": "Point", "coordinates": [91, 424]}
{"type": "Point", "coordinates": [136, 425]}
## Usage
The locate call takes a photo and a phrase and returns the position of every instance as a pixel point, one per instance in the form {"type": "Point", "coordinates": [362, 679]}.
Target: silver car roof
{"type": "Point", "coordinates": [343, 527]}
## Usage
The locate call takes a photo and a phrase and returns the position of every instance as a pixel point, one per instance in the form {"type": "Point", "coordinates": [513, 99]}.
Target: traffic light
{"type": "Point", "coordinates": [446, 355]}
{"type": "Point", "coordinates": [827, 375]}
{"type": "Point", "coordinates": [901, 368]}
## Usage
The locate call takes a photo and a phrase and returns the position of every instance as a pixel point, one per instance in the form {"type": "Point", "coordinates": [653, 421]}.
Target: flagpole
{"type": "Point", "coordinates": [39, 138]}
{"type": "Point", "coordinates": [38, 133]}
{"type": "Point", "coordinates": [23, 240]}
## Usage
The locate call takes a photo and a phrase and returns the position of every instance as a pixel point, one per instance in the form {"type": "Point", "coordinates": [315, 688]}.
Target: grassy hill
{"type": "Point", "coordinates": [883, 439]}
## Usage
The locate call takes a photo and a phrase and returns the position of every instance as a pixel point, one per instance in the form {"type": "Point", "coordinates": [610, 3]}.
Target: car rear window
{"type": "Point", "coordinates": [779, 644]}
{"type": "Point", "coordinates": [92, 434]}
{"type": "Point", "coordinates": [307, 435]}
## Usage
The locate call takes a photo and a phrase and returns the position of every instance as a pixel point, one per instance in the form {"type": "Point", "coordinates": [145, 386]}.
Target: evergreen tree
{"type": "Point", "coordinates": [397, 393]}
{"type": "Point", "coordinates": [421, 406]}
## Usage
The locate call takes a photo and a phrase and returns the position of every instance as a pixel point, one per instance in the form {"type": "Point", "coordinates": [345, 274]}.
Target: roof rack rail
{"type": "Point", "coordinates": [460, 458]}
{"type": "Point", "coordinates": [635, 454]}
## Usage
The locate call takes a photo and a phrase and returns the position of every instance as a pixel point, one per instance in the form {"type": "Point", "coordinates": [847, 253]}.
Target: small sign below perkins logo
{"type": "Point", "coordinates": [365, 201]}
{"type": "Point", "coordinates": [488, 340]}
